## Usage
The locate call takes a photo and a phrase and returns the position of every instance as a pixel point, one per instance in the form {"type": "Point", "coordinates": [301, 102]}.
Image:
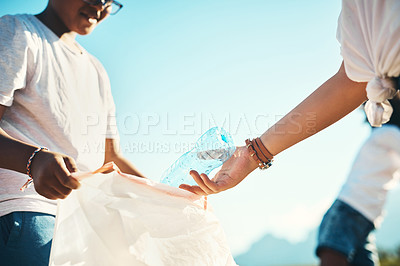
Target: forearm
{"type": "Point", "coordinates": [14, 154]}
{"type": "Point", "coordinates": [333, 100]}
{"type": "Point", "coordinates": [112, 153]}
{"type": "Point", "coordinates": [124, 165]}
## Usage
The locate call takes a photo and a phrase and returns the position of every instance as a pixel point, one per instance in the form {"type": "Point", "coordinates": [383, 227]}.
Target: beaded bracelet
{"type": "Point", "coordinates": [259, 153]}
{"type": "Point", "coordinates": [28, 168]}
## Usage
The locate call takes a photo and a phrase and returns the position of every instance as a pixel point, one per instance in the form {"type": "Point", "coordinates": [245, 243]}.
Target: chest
{"type": "Point", "coordinates": [69, 82]}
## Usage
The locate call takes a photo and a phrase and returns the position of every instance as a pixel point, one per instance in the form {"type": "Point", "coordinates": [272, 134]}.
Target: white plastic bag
{"type": "Point", "coordinates": [119, 219]}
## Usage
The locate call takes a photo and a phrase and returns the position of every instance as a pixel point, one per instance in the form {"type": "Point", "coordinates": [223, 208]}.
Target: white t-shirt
{"type": "Point", "coordinates": [369, 34]}
{"type": "Point", "coordinates": [375, 171]}
{"type": "Point", "coordinates": [58, 98]}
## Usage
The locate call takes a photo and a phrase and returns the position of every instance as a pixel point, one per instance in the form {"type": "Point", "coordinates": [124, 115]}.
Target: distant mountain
{"type": "Point", "coordinates": [270, 250]}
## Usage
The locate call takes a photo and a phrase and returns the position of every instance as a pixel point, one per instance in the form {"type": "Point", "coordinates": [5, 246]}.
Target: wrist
{"type": "Point", "coordinates": [259, 153]}
{"type": "Point", "coordinates": [29, 167]}
{"type": "Point", "coordinates": [33, 156]}
{"type": "Point", "coordinates": [252, 164]}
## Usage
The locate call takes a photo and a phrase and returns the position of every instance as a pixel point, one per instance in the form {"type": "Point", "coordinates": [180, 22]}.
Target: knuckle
{"type": "Point", "coordinates": [62, 196]}
{"type": "Point", "coordinates": [64, 179]}
{"type": "Point", "coordinates": [49, 196]}
{"type": "Point", "coordinates": [69, 160]}
{"type": "Point", "coordinates": [70, 183]}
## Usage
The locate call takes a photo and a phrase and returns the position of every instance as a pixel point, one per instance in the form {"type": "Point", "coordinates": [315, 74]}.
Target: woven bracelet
{"type": "Point", "coordinates": [28, 168]}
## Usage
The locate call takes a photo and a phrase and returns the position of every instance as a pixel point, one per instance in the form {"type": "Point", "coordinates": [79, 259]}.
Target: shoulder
{"type": "Point", "coordinates": [13, 23]}
{"type": "Point", "coordinates": [14, 29]}
{"type": "Point", "coordinates": [96, 62]}
{"type": "Point", "coordinates": [93, 60]}
{"type": "Point", "coordinates": [98, 65]}
{"type": "Point", "coordinates": [10, 19]}
{"type": "Point", "coordinates": [368, 32]}
{"type": "Point", "coordinates": [101, 73]}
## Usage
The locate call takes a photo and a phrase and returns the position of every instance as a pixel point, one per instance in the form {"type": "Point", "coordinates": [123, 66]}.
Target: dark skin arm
{"type": "Point", "coordinates": [51, 171]}
{"type": "Point", "coordinates": [112, 153]}
{"type": "Point", "coordinates": [330, 257]}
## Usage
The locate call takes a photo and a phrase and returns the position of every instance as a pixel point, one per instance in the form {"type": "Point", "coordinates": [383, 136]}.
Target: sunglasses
{"type": "Point", "coordinates": [110, 6]}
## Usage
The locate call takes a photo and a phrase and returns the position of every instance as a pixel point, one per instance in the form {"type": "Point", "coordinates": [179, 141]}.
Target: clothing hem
{"type": "Point", "coordinates": [4, 210]}
{"type": "Point", "coordinates": [5, 100]}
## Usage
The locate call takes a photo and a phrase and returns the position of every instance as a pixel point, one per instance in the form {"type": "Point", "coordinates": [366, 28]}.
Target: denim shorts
{"type": "Point", "coordinates": [25, 238]}
{"type": "Point", "coordinates": [347, 231]}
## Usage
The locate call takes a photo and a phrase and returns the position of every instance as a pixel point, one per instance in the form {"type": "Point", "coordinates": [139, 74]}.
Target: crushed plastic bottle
{"type": "Point", "coordinates": [212, 149]}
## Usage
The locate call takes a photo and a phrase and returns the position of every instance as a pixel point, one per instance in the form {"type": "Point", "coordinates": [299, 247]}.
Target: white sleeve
{"type": "Point", "coordinates": [16, 52]}
{"type": "Point", "coordinates": [369, 33]}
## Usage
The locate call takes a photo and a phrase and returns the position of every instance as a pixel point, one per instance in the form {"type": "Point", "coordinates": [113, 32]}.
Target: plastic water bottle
{"type": "Point", "coordinates": [212, 149]}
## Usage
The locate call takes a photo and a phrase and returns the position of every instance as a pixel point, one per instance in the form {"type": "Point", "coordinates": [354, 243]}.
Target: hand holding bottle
{"type": "Point", "coordinates": [212, 149]}
{"type": "Point", "coordinates": [233, 171]}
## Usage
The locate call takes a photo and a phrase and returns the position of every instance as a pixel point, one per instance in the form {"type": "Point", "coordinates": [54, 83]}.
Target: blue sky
{"type": "Point", "coordinates": [178, 67]}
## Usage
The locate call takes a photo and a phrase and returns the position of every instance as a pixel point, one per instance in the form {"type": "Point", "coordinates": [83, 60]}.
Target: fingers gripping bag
{"type": "Point", "coordinates": [119, 219]}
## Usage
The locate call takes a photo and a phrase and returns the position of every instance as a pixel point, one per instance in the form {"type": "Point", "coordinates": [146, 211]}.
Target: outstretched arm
{"type": "Point", "coordinates": [333, 100]}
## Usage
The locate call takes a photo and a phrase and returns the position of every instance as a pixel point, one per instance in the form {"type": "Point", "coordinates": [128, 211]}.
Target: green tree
{"type": "Point", "coordinates": [389, 257]}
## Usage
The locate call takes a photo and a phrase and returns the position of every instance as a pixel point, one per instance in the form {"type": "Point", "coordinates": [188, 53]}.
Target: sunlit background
{"type": "Point", "coordinates": [179, 67]}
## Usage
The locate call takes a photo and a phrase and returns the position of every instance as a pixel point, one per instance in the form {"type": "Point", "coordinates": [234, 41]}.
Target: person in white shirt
{"type": "Point", "coordinates": [345, 232]}
{"type": "Point", "coordinates": [56, 109]}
